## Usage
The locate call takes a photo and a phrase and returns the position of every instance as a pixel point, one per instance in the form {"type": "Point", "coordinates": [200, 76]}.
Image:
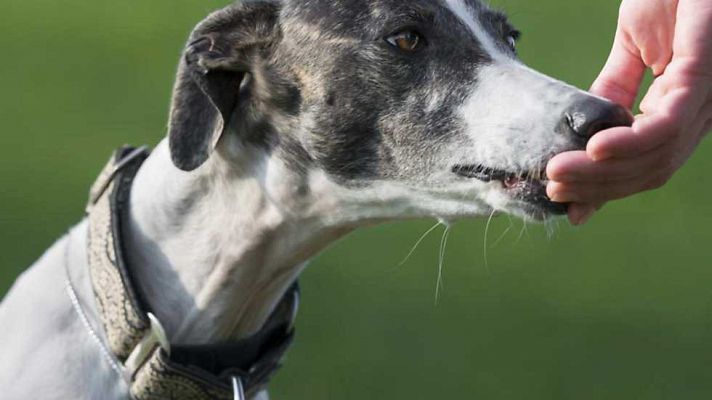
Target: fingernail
{"type": "Point", "coordinates": [598, 155]}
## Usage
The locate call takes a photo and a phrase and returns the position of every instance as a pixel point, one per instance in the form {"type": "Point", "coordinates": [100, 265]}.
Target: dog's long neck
{"type": "Point", "coordinates": [214, 250]}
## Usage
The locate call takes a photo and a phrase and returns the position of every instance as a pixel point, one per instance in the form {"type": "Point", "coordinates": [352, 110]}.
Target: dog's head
{"type": "Point", "coordinates": [393, 108]}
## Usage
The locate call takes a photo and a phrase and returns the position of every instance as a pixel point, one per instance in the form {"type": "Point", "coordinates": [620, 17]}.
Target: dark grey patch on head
{"type": "Point", "coordinates": [293, 154]}
{"type": "Point", "coordinates": [316, 83]}
{"type": "Point", "coordinates": [370, 102]}
{"type": "Point", "coordinates": [497, 25]}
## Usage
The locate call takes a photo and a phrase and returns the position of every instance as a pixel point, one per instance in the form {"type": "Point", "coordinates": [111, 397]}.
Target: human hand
{"type": "Point", "coordinates": [674, 39]}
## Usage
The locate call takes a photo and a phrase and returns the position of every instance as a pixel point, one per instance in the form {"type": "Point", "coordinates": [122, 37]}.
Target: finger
{"type": "Point", "coordinates": [647, 133]}
{"type": "Point", "coordinates": [705, 120]}
{"type": "Point", "coordinates": [580, 214]}
{"type": "Point", "coordinates": [561, 167]}
{"type": "Point", "coordinates": [693, 32]}
{"type": "Point", "coordinates": [673, 115]}
{"type": "Point", "coordinates": [579, 167]}
{"type": "Point", "coordinates": [620, 79]}
{"type": "Point", "coordinates": [597, 192]}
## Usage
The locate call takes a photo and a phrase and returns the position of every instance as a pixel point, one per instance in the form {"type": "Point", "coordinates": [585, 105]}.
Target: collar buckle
{"type": "Point", "coordinates": [238, 391]}
{"type": "Point", "coordinates": [154, 337]}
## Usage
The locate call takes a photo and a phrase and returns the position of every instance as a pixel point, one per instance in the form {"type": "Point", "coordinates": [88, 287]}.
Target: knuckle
{"type": "Point", "coordinates": [601, 195]}
{"type": "Point", "coordinates": [618, 193]}
{"type": "Point", "coordinates": [658, 182]}
{"type": "Point", "coordinates": [666, 164]}
{"type": "Point", "coordinates": [676, 134]}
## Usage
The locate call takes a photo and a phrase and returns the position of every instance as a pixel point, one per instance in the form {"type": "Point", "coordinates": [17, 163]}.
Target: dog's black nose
{"type": "Point", "coordinates": [590, 115]}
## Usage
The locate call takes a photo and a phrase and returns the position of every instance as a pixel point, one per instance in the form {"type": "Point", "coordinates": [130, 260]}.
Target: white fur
{"type": "Point", "coordinates": [467, 16]}
{"type": "Point", "coordinates": [511, 115]}
{"type": "Point", "coordinates": [244, 224]}
{"type": "Point", "coordinates": [513, 129]}
{"type": "Point", "coordinates": [254, 228]}
{"type": "Point", "coordinates": [46, 349]}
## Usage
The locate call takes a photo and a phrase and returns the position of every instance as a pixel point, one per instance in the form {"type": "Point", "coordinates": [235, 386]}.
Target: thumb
{"type": "Point", "coordinates": [620, 79]}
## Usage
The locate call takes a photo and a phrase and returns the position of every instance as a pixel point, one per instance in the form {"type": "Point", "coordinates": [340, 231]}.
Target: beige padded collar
{"type": "Point", "coordinates": [155, 369]}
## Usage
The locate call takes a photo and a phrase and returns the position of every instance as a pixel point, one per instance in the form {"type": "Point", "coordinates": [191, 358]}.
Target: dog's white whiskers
{"type": "Point", "coordinates": [489, 221]}
{"type": "Point", "coordinates": [550, 228]}
{"type": "Point", "coordinates": [521, 232]}
{"type": "Point", "coordinates": [502, 236]}
{"type": "Point", "coordinates": [441, 260]}
{"type": "Point", "coordinates": [417, 243]}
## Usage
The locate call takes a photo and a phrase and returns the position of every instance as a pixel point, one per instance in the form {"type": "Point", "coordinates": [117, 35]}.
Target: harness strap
{"type": "Point", "coordinates": [154, 368]}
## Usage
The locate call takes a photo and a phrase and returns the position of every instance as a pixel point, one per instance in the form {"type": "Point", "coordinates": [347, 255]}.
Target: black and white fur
{"type": "Point", "coordinates": [293, 123]}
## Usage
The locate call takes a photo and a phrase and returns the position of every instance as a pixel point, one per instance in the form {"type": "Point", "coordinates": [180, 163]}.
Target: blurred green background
{"type": "Point", "coordinates": [619, 309]}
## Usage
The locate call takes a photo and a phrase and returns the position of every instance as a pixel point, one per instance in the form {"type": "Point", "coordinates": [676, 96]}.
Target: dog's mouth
{"type": "Point", "coordinates": [529, 187]}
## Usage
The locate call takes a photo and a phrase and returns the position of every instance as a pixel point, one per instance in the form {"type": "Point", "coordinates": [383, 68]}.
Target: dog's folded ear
{"type": "Point", "coordinates": [216, 59]}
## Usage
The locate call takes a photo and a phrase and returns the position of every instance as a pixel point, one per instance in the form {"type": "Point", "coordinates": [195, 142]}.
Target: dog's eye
{"type": "Point", "coordinates": [409, 41]}
{"type": "Point", "coordinates": [512, 39]}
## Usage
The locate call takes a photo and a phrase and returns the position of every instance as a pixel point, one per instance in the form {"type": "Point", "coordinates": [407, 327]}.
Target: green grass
{"type": "Point", "coordinates": [619, 309]}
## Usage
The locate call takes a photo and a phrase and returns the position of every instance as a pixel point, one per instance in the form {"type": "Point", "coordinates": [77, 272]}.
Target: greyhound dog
{"type": "Point", "coordinates": [293, 123]}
